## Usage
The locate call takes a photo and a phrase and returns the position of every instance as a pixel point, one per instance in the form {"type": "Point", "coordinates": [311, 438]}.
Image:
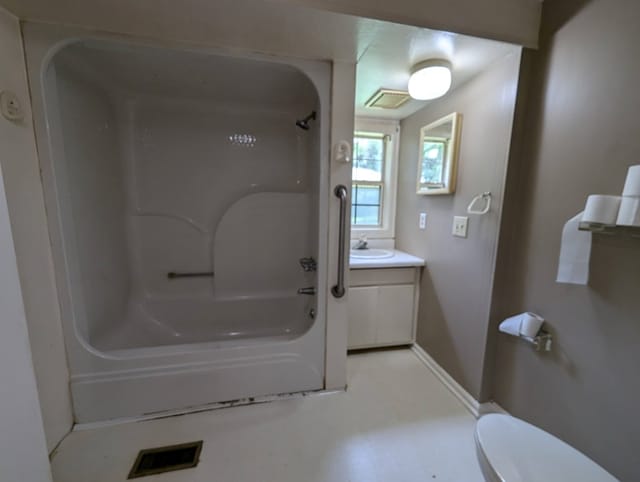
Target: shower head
{"type": "Point", "coordinates": [304, 123]}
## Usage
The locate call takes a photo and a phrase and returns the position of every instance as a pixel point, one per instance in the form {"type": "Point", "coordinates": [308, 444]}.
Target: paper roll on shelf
{"type": "Point", "coordinates": [632, 183]}
{"type": "Point", "coordinates": [601, 209]}
{"type": "Point", "coordinates": [629, 214]}
{"type": "Point", "coordinates": [575, 252]}
{"type": "Point", "coordinates": [602, 213]}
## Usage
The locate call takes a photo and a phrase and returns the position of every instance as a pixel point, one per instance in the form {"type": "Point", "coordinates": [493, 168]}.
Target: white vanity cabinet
{"type": "Point", "coordinates": [383, 305]}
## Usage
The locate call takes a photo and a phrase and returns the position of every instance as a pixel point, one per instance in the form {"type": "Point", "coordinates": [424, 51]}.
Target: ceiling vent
{"type": "Point", "coordinates": [388, 99]}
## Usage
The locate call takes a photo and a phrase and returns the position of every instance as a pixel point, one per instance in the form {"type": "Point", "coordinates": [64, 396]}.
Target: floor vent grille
{"type": "Point", "coordinates": [166, 459]}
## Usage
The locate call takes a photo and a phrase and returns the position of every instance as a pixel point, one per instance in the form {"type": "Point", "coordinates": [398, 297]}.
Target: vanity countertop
{"type": "Point", "coordinates": [399, 259]}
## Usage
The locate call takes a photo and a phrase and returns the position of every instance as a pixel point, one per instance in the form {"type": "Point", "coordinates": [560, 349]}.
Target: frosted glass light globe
{"type": "Point", "coordinates": [430, 79]}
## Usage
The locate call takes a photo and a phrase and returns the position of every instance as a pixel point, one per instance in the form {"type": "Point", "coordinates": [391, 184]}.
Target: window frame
{"type": "Point", "coordinates": [385, 140]}
{"type": "Point", "coordinates": [389, 130]}
{"type": "Point", "coordinates": [354, 186]}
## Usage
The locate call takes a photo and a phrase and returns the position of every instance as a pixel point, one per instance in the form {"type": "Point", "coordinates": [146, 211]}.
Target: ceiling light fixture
{"type": "Point", "coordinates": [430, 79]}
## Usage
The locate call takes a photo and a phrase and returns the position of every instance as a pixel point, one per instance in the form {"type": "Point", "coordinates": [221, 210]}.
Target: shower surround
{"type": "Point", "coordinates": [181, 196]}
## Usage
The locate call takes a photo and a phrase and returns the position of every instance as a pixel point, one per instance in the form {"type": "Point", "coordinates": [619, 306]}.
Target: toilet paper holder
{"type": "Point", "coordinates": [528, 327]}
{"type": "Point", "coordinates": [542, 341]}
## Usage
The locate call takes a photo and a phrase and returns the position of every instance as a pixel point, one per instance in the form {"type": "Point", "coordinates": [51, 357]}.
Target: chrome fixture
{"type": "Point", "coordinates": [361, 243]}
{"type": "Point", "coordinates": [304, 123]}
{"type": "Point", "coordinates": [312, 314]}
{"type": "Point", "coordinates": [205, 274]}
{"type": "Point", "coordinates": [541, 342]}
{"type": "Point", "coordinates": [340, 191]}
{"type": "Point", "coordinates": [307, 291]}
{"type": "Point", "coordinates": [486, 197]}
{"type": "Point", "coordinates": [308, 264]}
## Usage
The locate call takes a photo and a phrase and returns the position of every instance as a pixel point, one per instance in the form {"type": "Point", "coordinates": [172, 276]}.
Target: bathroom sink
{"type": "Point", "coordinates": [371, 253]}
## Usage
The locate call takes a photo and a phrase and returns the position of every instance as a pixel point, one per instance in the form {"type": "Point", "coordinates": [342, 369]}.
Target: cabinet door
{"type": "Point", "coordinates": [363, 303]}
{"type": "Point", "coordinates": [395, 314]}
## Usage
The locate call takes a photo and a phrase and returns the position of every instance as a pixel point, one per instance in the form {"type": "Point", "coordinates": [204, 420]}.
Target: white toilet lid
{"type": "Point", "coordinates": [520, 452]}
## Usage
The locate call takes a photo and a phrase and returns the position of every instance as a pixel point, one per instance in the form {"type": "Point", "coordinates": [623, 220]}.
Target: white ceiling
{"type": "Point", "coordinates": [513, 21]}
{"type": "Point", "coordinates": [388, 59]}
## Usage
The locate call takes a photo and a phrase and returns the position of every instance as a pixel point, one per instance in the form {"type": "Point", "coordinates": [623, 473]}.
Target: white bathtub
{"type": "Point", "coordinates": [230, 322]}
{"type": "Point", "coordinates": [158, 160]}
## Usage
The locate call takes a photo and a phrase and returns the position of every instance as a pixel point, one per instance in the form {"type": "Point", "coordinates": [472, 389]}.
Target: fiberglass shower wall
{"type": "Point", "coordinates": [174, 164]}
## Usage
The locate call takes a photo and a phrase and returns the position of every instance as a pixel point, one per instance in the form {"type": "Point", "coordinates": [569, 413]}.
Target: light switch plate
{"type": "Point", "coordinates": [423, 221]}
{"type": "Point", "coordinates": [460, 225]}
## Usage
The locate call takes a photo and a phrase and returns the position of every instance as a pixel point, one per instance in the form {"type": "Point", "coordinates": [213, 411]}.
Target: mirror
{"type": "Point", "coordinates": [439, 145]}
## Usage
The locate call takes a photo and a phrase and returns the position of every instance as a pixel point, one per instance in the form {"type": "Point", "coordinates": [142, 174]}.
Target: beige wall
{"type": "Point", "coordinates": [456, 285]}
{"type": "Point", "coordinates": [579, 136]}
{"type": "Point", "coordinates": [28, 224]}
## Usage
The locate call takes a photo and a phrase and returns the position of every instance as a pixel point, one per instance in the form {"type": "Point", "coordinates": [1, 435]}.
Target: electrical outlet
{"type": "Point", "coordinates": [423, 221]}
{"type": "Point", "coordinates": [460, 224]}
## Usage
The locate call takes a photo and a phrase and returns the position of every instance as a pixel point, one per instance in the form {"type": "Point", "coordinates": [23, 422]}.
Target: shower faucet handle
{"type": "Point", "coordinates": [308, 264]}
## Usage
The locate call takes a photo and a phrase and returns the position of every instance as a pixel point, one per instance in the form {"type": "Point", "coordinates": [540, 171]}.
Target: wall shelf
{"type": "Point", "coordinates": [631, 231]}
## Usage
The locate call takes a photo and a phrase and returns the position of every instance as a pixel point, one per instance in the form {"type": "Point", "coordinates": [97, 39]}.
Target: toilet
{"type": "Point", "coordinates": [511, 450]}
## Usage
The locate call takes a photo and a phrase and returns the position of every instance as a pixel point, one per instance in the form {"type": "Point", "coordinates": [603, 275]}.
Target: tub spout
{"type": "Point", "coordinates": [307, 291]}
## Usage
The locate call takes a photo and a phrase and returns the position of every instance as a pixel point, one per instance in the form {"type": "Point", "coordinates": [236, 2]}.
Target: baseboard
{"type": "Point", "coordinates": [476, 408]}
{"type": "Point", "coordinates": [491, 407]}
{"type": "Point", "coordinates": [79, 427]}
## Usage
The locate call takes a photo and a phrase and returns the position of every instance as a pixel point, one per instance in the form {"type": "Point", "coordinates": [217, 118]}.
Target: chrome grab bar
{"type": "Point", "coordinates": [206, 274]}
{"type": "Point", "coordinates": [341, 193]}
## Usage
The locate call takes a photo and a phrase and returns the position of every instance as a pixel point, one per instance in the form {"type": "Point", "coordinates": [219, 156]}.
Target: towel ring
{"type": "Point", "coordinates": [486, 197]}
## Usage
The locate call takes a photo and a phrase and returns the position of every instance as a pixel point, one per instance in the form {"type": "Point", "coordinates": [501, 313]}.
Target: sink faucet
{"type": "Point", "coordinates": [361, 243]}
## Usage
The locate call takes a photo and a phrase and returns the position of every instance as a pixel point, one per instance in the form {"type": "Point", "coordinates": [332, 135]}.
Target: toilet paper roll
{"type": "Point", "coordinates": [531, 324]}
{"type": "Point", "coordinates": [632, 183]}
{"type": "Point", "coordinates": [601, 209]}
{"type": "Point", "coordinates": [511, 326]}
{"type": "Point", "coordinates": [575, 251]}
{"type": "Point", "coordinates": [524, 324]}
{"type": "Point", "coordinates": [629, 214]}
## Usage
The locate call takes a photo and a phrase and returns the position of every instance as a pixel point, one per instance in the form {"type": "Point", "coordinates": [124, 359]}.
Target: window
{"type": "Point", "coordinates": [434, 152]}
{"type": "Point", "coordinates": [367, 177]}
{"type": "Point", "coordinates": [373, 175]}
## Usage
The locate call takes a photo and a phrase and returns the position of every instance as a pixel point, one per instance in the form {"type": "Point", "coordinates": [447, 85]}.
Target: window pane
{"type": "Point", "coordinates": [367, 194]}
{"type": "Point", "coordinates": [353, 214]}
{"type": "Point", "coordinates": [433, 159]}
{"type": "Point", "coordinates": [368, 157]}
{"type": "Point", "coordinates": [367, 215]}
